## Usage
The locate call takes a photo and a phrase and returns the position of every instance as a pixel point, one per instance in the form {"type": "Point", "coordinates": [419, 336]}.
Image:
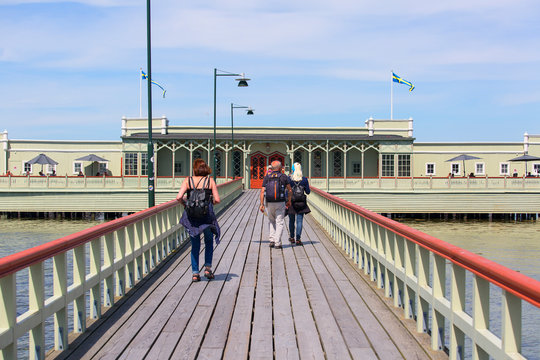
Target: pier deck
{"type": "Point", "coordinates": [306, 301]}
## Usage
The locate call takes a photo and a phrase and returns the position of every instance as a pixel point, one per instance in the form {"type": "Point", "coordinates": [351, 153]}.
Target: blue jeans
{"type": "Point", "coordinates": [299, 222]}
{"type": "Point", "coordinates": [196, 248]}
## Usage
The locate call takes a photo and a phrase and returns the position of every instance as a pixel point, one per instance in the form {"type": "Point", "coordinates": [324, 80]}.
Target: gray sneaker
{"type": "Point", "coordinates": [271, 244]}
{"type": "Point", "coordinates": [277, 247]}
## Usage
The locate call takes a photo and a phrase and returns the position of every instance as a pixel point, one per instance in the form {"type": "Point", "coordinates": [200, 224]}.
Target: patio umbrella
{"type": "Point", "coordinates": [463, 157]}
{"type": "Point", "coordinates": [43, 160]}
{"type": "Point", "coordinates": [525, 158]}
{"type": "Point", "coordinates": [91, 157]}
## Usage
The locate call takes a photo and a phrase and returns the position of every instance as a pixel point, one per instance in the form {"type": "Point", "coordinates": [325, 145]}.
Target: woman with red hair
{"type": "Point", "coordinates": [197, 225]}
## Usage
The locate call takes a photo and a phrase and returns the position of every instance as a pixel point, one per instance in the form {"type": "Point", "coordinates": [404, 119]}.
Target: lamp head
{"type": "Point", "coordinates": [249, 111]}
{"type": "Point", "coordinates": [242, 82]}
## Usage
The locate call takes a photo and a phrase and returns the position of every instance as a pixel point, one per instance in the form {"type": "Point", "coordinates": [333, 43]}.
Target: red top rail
{"type": "Point", "coordinates": [512, 281]}
{"type": "Point", "coordinates": [23, 259]}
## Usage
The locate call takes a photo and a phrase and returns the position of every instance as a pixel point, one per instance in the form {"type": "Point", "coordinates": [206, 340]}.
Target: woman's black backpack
{"type": "Point", "coordinates": [197, 204]}
{"type": "Point", "coordinates": [298, 194]}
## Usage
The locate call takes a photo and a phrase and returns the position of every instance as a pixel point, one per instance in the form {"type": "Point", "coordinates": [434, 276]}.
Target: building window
{"type": "Point", "coordinates": [217, 156]}
{"type": "Point", "coordinates": [479, 169]}
{"type": "Point", "coordinates": [130, 164]}
{"type": "Point", "coordinates": [388, 165]}
{"type": "Point", "coordinates": [338, 163]}
{"type": "Point", "coordinates": [317, 163]}
{"type": "Point", "coordinates": [297, 157]}
{"type": "Point", "coordinates": [237, 163]}
{"type": "Point", "coordinates": [430, 169]}
{"type": "Point", "coordinates": [77, 167]}
{"type": "Point", "coordinates": [357, 168]}
{"type": "Point", "coordinates": [404, 165]}
{"type": "Point", "coordinates": [27, 168]}
{"type": "Point", "coordinates": [197, 155]}
{"type": "Point", "coordinates": [455, 168]}
{"type": "Point", "coordinates": [177, 168]}
{"type": "Point", "coordinates": [144, 164]}
{"type": "Point", "coordinates": [536, 169]}
{"type": "Point", "coordinates": [102, 168]}
{"type": "Point", "coordinates": [51, 168]}
{"type": "Point", "coordinates": [504, 169]}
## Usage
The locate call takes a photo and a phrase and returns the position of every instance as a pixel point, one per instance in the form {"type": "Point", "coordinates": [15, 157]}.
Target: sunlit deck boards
{"type": "Point", "coordinates": [298, 302]}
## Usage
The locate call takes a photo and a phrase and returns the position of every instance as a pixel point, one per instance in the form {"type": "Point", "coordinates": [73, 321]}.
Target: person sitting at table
{"type": "Point", "coordinates": [41, 173]}
{"type": "Point", "coordinates": [80, 173]}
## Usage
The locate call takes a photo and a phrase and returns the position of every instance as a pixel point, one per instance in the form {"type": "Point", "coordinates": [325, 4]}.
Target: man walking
{"type": "Point", "coordinates": [274, 185]}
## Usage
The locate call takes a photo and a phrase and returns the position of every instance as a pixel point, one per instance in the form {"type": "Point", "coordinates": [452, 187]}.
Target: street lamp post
{"type": "Point", "coordinates": [249, 111]}
{"type": "Point", "coordinates": [242, 82]}
{"type": "Point", "coordinates": [150, 150]}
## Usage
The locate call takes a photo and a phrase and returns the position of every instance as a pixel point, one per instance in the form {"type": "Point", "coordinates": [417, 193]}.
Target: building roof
{"type": "Point", "coordinates": [271, 137]}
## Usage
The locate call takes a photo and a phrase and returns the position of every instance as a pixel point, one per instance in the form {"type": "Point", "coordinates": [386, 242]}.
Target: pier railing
{"type": "Point", "coordinates": [411, 267]}
{"type": "Point", "coordinates": [107, 261]}
{"type": "Point", "coordinates": [21, 183]}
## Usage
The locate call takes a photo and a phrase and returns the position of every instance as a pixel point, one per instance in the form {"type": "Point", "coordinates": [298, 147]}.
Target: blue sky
{"type": "Point", "coordinates": [70, 69]}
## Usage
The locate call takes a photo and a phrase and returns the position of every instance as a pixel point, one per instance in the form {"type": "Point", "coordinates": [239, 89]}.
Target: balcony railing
{"type": "Point", "coordinates": [107, 261]}
{"type": "Point", "coordinates": [412, 269]}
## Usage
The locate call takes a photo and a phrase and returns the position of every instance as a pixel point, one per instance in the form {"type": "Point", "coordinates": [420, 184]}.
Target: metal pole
{"type": "Point", "coordinates": [150, 153]}
{"type": "Point", "coordinates": [391, 95]}
{"type": "Point", "coordinates": [214, 149]}
{"type": "Point", "coordinates": [232, 140]}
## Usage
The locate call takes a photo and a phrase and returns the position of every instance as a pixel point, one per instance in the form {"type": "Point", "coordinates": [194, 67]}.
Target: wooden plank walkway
{"type": "Point", "coordinates": [299, 302]}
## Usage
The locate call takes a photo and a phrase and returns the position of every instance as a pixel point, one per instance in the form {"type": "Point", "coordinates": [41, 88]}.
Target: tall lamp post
{"type": "Point", "coordinates": [249, 111]}
{"type": "Point", "coordinates": [242, 82]}
{"type": "Point", "coordinates": [150, 151]}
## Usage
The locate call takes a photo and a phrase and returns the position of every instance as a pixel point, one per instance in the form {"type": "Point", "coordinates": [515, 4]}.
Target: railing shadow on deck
{"type": "Point", "coordinates": [411, 268]}
{"type": "Point", "coordinates": [109, 260]}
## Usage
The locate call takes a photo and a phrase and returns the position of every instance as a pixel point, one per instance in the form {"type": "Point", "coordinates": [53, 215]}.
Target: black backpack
{"type": "Point", "coordinates": [275, 191]}
{"type": "Point", "coordinates": [298, 194]}
{"type": "Point", "coordinates": [197, 204]}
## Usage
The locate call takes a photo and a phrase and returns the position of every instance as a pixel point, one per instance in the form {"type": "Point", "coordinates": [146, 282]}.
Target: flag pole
{"type": "Point", "coordinates": [140, 92]}
{"type": "Point", "coordinates": [391, 95]}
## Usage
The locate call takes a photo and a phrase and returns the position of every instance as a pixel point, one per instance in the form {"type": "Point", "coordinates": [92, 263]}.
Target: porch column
{"type": "Point", "coordinates": [309, 161]}
{"type": "Point", "coordinates": [190, 171]}
{"type": "Point", "coordinates": [362, 164]}
{"type": "Point", "coordinates": [173, 161]}
{"type": "Point", "coordinates": [327, 167]}
{"type": "Point", "coordinates": [247, 175]}
{"type": "Point", "coordinates": [226, 161]}
{"type": "Point", "coordinates": [155, 167]}
{"type": "Point", "coordinates": [209, 144]}
{"type": "Point", "coordinates": [345, 165]}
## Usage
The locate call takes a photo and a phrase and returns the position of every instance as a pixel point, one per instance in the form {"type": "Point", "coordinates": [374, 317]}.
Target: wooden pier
{"type": "Point", "coordinates": [306, 301]}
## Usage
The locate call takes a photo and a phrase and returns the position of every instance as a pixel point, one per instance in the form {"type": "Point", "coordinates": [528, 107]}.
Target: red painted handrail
{"type": "Point", "coordinates": [23, 259]}
{"type": "Point", "coordinates": [512, 281]}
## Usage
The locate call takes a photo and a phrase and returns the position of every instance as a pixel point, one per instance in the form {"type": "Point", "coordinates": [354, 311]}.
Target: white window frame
{"type": "Point", "coordinates": [49, 170]}
{"type": "Point", "coordinates": [106, 163]}
{"type": "Point", "coordinates": [74, 167]}
{"type": "Point", "coordinates": [537, 170]}
{"type": "Point", "coordinates": [359, 165]}
{"type": "Point", "coordinates": [483, 168]}
{"type": "Point", "coordinates": [507, 167]}
{"type": "Point", "coordinates": [434, 169]}
{"type": "Point", "coordinates": [459, 168]}
{"type": "Point", "coordinates": [23, 168]}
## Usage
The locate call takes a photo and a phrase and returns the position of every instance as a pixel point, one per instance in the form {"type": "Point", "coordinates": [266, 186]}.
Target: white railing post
{"type": "Point", "coordinates": [108, 261]}
{"type": "Point", "coordinates": [36, 301]}
{"type": "Point", "coordinates": [130, 262]}
{"type": "Point", "coordinates": [422, 311]}
{"type": "Point", "coordinates": [480, 313]}
{"type": "Point", "coordinates": [457, 337]}
{"type": "Point", "coordinates": [439, 289]}
{"type": "Point", "coordinates": [95, 271]}
{"type": "Point", "coordinates": [79, 276]}
{"type": "Point", "coordinates": [60, 291]}
{"type": "Point", "coordinates": [408, 293]}
{"type": "Point", "coordinates": [511, 323]}
{"type": "Point", "coordinates": [8, 313]}
{"type": "Point", "coordinates": [119, 257]}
